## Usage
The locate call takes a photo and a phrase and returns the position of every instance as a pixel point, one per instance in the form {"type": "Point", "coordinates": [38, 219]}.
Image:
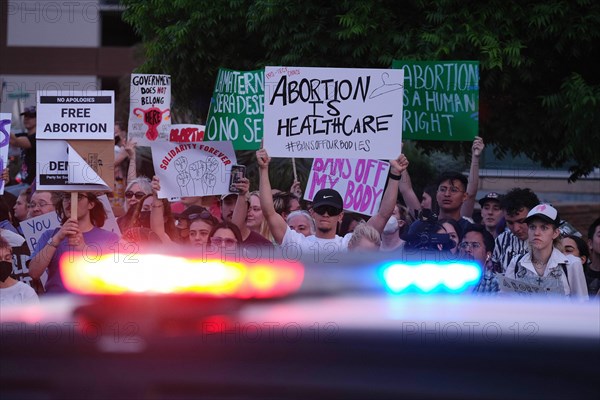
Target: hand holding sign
{"type": "Point", "coordinates": [477, 147]}
{"type": "Point", "coordinates": [263, 159]}
{"type": "Point", "coordinates": [398, 165]}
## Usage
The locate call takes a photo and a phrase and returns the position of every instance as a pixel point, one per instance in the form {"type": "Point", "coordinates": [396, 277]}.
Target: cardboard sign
{"type": "Point", "coordinates": [237, 108]}
{"type": "Point", "coordinates": [523, 288]}
{"type": "Point", "coordinates": [33, 228]}
{"type": "Point", "coordinates": [193, 169]}
{"type": "Point", "coordinates": [441, 99]}
{"type": "Point", "coordinates": [4, 144]}
{"type": "Point", "coordinates": [77, 165]}
{"type": "Point", "coordinates": [359, 182]}
{"type": "Point", "coordinates": [149, 109]}
{"type": "Point", "coordinates": [88, 115]}
{"type": "Point", "coordinates": [317, 112]}
{"type": "Point", "coordinates": [186, 133]}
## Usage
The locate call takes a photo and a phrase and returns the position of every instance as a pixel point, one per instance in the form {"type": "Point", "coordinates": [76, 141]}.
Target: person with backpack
{"type": "Point", "coordinates": [545, 266]}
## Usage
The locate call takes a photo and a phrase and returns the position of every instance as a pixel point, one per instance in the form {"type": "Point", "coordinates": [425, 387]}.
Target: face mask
{"type": "Point", "coordinates": [391, 226]}
{"type": "Point", "coordinates": [145, 219]}
{"type": "Point", "coordinates": [5, 270]}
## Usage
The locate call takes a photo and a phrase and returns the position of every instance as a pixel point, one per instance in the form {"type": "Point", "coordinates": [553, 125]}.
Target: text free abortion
{"type": "Point", "coordinates": [329, 92]}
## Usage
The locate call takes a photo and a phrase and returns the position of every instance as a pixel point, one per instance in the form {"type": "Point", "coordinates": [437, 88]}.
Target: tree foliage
{"type": "Point", "coordinates": [539, 88]}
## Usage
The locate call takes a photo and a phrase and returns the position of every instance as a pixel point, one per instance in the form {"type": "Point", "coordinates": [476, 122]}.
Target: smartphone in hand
{"type": "Point", "coordinates": [237, 172]}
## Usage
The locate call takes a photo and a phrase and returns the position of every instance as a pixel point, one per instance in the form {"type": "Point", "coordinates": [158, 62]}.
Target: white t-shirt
{"type": "Point", "coordinates": [321, 249]}
{"type": "Point", "coordinates": [18, 293]}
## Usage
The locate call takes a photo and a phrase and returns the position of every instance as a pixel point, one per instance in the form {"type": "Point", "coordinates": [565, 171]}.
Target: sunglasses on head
{"type": "Point", "coordinates": [330, 210]}
{"type": "Point", "coordinates": [201, 215]}
{"type": "Point", "coordinates": [138, 195]}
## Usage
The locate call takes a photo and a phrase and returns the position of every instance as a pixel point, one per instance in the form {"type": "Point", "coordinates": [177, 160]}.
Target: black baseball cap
{"type": "Point", "coordinates": [30, 111]}
{"type": "Point", "coordinates": [328, 197]}
{"type": "Point", "coordinates": [491, 196]}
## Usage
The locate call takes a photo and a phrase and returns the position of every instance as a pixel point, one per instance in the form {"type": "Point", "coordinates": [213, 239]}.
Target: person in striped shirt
{"type": "Point", "coordinates": [513, 242]}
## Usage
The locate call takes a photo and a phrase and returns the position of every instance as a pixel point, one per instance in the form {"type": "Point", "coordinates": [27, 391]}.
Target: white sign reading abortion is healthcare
{"type": "Point", "coordinates": [317, 112]}
{"type": "Point", "coordinates": [193, 169]}
{"type": "Point", "coordinates": [72, 114]}
{"type": "Point", "coordinates": [359, 182]}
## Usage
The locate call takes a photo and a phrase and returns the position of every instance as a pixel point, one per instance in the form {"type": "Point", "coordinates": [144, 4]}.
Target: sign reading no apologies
{"type": "Point", "coordinates": [71, 114]}
{"type": "Point", "coordinates": [317, 112]}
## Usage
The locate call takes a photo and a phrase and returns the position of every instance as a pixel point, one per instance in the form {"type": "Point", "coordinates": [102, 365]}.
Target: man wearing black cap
{"type": "Point", "coordinates": [327, 211]}
{"type": "Point", "coordinates": [26, 142]}
{"type": "Point", "coordinates": [491, 212]}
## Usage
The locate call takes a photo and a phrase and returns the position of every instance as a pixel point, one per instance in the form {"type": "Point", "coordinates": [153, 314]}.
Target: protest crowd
{"type": "Point", "coordinates": [513, 236]}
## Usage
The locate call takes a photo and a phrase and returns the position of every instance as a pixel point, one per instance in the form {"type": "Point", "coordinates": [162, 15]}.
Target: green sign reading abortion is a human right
{"type": "Point", "coordinates": [237, 109]}
{"type": "Point", "coordinates": [441, 100]}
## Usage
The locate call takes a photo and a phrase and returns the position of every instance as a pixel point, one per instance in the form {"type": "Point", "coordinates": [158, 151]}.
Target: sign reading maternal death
{"type": "Point", "coordinates": [236, 109]}
{"type": "Point", "coordinates": [149, 108]}
{"type": "Point", "coordinates": [441, 99]}
{"type": "Point", "coordinates": [317, 112]}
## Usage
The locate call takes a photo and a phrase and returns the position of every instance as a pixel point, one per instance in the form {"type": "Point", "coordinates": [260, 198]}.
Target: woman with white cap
{"type": "Point", "coordinates": [545, 266]}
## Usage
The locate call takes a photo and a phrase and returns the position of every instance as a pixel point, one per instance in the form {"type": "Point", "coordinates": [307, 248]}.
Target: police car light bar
{"type": "Point", "coordinates": [451, 277]}
{"type": "Point", "coordinates": [161, 274]}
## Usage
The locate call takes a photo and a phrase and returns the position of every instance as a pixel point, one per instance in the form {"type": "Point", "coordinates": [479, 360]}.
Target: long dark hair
{"type": "Point", "coordinates": [97, 213]}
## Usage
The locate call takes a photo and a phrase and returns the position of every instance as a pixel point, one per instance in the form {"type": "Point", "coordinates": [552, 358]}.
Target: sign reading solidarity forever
{"type": "Point", "coordinates": [236, 109]}
{"type": "Point", "coordinates": [360, 182]}
{"type": "Point", "coordinates": [316, 112]}
{"type": "Point", "coordinates": [193, 169]}
{"type": "Point", "coordinates": [4, 140]}
{"type": "Point", "coordinates": [149, 108]}
{"type": "Point", "coordinates": [441, 99]}
{"type": "Point", "coordinates": [76, 115]}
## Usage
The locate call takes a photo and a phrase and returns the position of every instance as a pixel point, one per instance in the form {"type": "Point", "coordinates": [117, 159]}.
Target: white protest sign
{"type": "Point", "coordinates": [4, 144]}
{"type": "Point", "coordinates": [186, 133]}
{"type": "Point", "coordinates": [33, 228]}
{"type": "Point", "coordinates": [524, 289]}
{"type": "Point", "coordinates": [193, 169]}
{"type": "Point", "coordinates": [149, 108]}
{"type": "Point", "coordinates": [314, 112]}
{"type": "Point", "coordinates": [75, 115]}
{"type": "Point", "coordinates": [56, 173]}
{"type": "Point", "coordinates": [359, 182]}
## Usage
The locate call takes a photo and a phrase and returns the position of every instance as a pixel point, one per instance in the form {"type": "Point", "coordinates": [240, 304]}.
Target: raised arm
{"type": "Point", "coordinates": [130, 150]}
{"type": "Point", "coordinates": [157, 218]}
{"type": "Point", "coordinates": [277, 224]}
{"type": "Point", "coordinates": [240, 211]}
{"type": "Point", "coordinates": [22, 142]}
{"type": "Point", "coordinates": [408, 194]}
{"type": "Point", "coordinates": [467, 208]}
{"type": "Point", "coordinates": [388, 202]}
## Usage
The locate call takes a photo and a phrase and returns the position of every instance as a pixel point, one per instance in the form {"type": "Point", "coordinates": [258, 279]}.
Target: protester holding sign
{"type": "Point", "coordinates": [243, 211]}
{"type": "Point", "coordinates": [27, 143]}
{"type": "Point", "coordinates": [327, 210]}
{"type": "Point", "coordinates": [544, 266]}
{"type": "Point", "coordinates": [78, 233]}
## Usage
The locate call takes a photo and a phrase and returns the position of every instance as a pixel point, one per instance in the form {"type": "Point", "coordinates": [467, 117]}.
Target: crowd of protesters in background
{"type": "Point", "coordinates": [519, 237]}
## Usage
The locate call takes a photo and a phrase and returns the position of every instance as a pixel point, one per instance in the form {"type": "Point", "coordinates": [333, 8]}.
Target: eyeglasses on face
{"type": "Point", "coordinates": [138, 195]}
{"type": "Point", "coordinates": [473, 245]}
{"type": "Point", "coordinates": [452, 189]}
{"type": "Point", "coordinates": [219, 241]}
{"type": "Point", "coordinates": [330, 210]}
{"type": "Point", "coordinates": [41, 204]}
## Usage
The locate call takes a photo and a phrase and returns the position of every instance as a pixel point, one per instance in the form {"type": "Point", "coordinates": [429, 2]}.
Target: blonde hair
{"type": "Point", "coordinates": [365, 231]}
